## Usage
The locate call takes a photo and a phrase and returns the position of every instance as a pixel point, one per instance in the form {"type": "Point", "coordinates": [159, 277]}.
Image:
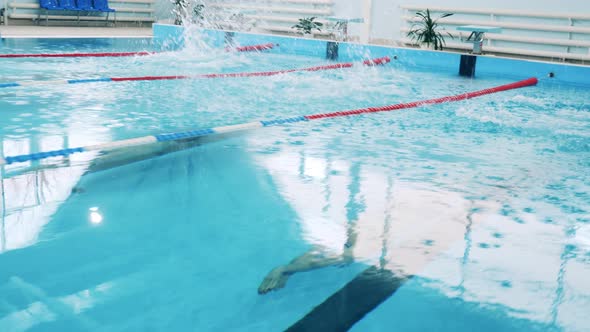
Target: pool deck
{"type": "Point", "coordinates": [15, 31]}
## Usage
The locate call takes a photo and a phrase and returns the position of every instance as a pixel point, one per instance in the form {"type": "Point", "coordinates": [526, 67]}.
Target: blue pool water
{"type": "Point", "coordinates": [484, 203]}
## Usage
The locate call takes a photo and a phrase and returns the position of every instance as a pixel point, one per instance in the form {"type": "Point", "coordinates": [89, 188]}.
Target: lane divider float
{"type": "Point", "coordinates": [253, 48]}
{"type": "Point", "coordinates": [373, 62]}
{"type": "Point", "coordinates": [250, 48]}
{"type": "Point", "coordinates": [258, 124]}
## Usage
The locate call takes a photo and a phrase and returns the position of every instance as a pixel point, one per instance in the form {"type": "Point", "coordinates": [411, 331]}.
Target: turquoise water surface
{"type": "Point", "coordinates": [483, 204]}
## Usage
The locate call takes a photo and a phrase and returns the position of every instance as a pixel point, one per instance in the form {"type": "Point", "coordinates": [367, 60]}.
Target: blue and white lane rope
{"type": "Point", "coordinates": [54, 82]}
{"type": "Point", "coordinates": [147, 140]}
{"type": "Point", "coordinates": [258, 124]}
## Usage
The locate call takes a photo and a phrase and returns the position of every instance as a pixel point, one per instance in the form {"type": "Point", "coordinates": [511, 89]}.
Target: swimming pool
{"type": "Point", "coordinates": [483, 202]}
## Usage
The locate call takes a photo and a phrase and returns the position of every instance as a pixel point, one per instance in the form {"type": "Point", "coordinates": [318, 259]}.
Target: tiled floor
{"type": "Point", "coordinates": [41, 31]}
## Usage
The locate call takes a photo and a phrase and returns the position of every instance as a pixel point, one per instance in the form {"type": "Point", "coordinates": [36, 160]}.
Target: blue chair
{"type": "Point", "coordinates": [103, 6]}
{"type": "Point", "coordinates": [49, 4]}
{"type": "Point", "coordinates": [75, 5]}
{"type": "Point", "coordinates": [85, 5]}
{"type": "Point", "coordinates": [68, 5]}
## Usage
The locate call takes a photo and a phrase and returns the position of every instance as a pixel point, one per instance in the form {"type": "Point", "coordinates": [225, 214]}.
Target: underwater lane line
{"type": "Point", "coordinates": [259, 124]}
{"type": "Point", "coordinates": [249, 48]}
{"type": "Point", "coordinates": [372, 62]}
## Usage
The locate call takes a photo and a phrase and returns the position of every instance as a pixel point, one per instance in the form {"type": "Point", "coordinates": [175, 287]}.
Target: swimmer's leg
{"type": "Point", "coordinates": [277, 278]}
{"type": "Point", "coordinates": [311, 260]}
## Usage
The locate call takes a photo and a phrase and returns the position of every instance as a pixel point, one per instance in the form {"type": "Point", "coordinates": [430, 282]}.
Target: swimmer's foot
{"type": "Point", "coordinates": [275, 280]}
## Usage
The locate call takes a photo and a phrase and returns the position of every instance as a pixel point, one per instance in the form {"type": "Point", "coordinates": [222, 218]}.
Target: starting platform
{"type": "Point", "coordinates": [343, 22]}
{"type": "Point", "coordinates": [341, 29]}
{"type": "Point", "coordinates": [467, 65]}
{"type": "Point", "coordinates": [477, 34]}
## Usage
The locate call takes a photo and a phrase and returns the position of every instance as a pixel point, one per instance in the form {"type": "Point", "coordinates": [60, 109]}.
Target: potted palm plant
{"type": "Point", "coordinates": [307, 25]}
{"type": "Point", "coordinates": [425, 30]}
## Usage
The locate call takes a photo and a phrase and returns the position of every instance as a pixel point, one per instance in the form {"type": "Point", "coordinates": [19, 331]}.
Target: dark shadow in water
{"type": "Point", "coordinates": [352, 302]}
{"type": "Point", "coordinates": [125, 156]}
